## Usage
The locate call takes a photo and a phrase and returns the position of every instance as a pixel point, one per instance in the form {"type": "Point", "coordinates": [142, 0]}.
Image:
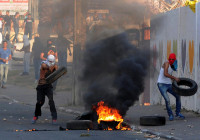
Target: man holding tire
{"type": "Point", "coordinates": [49, 50]}
{"type": "Point", "coordinates": [45, 88]}
{"type": "Point", "coordinates": [165, 85]}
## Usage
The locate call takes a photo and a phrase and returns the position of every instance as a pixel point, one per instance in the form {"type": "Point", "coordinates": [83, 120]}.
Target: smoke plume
{"type": "Point", "coordinates": [114, 72]}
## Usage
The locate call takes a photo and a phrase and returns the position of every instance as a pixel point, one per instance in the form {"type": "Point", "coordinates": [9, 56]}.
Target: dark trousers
{"type": "Point", "coordinates": [62, 58]}
{"type": "Point", "coordinates": [16, 33]}
{"type": "Point", "coordinates": [43, 90]}
{"type": "Point", "coordinates": [28, 32]}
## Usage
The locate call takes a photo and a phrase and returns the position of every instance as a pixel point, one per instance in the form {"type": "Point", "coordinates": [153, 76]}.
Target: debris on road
{"type": "Point", "coordinates": [190, 126]}
{"type": "Point", "coordinates": [84, 135]}
{"type": "Point", "coordinates": [150, 136]}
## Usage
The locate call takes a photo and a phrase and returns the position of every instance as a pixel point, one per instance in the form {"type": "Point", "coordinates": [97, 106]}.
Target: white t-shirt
{"type": "Point", "coordinates": [162, 78]}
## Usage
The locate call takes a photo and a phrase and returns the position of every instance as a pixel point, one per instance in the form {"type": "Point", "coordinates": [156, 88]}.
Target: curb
{"type": "Point", "coordinates": [158, 134]}
{"type": "Point", "coordinates": [169, 137]}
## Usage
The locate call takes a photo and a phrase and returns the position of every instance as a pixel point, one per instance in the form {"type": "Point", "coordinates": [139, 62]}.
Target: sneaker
{"type": "Point", "coordinates": [180, 116]}
{"type": "Point", "coordinates": [54, 122]}
{"type": "Point", "coordinates": [34, 120]}
{"type": "Point", "coordinates": [171, 117]}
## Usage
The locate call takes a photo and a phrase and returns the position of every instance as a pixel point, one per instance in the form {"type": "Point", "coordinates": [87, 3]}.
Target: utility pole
{"type": "Point", "coordinates": [33, 9]}
{"type": "Point", "coordinates": [29, 6]}
{"type": "Point", "coordinates": [76, 92]}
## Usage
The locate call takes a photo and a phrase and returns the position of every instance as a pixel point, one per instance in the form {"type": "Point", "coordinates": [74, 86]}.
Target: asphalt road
{"type": "Point", "coordinates": [15, 119]}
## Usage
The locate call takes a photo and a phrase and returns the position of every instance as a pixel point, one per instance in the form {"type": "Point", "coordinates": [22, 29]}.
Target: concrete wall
{"type": "Point", "coordinates": [176, 31]}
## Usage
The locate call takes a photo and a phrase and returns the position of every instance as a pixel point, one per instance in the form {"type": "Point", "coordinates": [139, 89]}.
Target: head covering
{"type": "Point", "coordinates": [50, 60]}
{"type": "Point", "coordinates": [172, 61]}
{"type": "Point", "coordinates": [25, 40]}
{"type": "Point", "coordinates": [172, 58]}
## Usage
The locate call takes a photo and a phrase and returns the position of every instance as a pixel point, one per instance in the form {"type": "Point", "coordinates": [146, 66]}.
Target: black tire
{"type": "Point", "coordinates": [56, 74]}
{"type": "Point", "coordinates": [183, 91]}
{"type": "Point", "coordinates": [79, 125]}
{"type": "Point", "coordinates": [85, 116]}
{"type": "Point", "coordinates": [152, 120]}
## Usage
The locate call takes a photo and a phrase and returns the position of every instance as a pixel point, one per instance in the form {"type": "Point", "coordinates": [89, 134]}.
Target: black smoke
{"type": "Point", "coordinates": [114, 72]}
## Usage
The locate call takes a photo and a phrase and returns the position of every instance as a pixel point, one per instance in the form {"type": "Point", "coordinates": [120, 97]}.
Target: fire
{"type": "Point", "coordinates": [109, 128]}
{"type": "Point", "coordinates": [106, 113]}
{"type": "Point", "coordinates": [147, 104]}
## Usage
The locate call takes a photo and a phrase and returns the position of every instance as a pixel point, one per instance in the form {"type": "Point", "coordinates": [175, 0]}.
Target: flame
{"type": "Point", "coordinates": [147, 104]}
{"type": "Point", "coordinates": [109, 129]}
{"type": "Point", "coordinates": [126, 128]}
{"type": "Point", "coordinates": [106, 113]}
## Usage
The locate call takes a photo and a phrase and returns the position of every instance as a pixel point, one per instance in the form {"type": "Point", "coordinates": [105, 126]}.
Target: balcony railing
{"type": "Point", "coordinates": [160, 6]}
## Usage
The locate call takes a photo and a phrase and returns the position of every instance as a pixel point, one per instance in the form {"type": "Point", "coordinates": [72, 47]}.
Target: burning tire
{"type": "Point", "coordinates": [56, 74]}
{"type": "Point", "coordinates": [79, 125]}
{"type": "Point", "coordinates": [185, 91]}
{"type": "Point", "coordinates": [152, 120]}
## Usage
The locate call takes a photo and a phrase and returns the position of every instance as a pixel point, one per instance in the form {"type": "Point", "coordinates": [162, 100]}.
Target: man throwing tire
{"type": "Point", "coordinates": [165, 85]}
{"type": "Point", "coordinates": [44, 88]}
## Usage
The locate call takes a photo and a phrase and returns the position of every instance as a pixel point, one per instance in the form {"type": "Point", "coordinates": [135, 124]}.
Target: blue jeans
{"type": "Point", "coordinates": [164, 88]}
{"type": "Point", "coordinates": [3, 73]}
{"type": "Point", "coordinates": [27, 62]}
{"type": "Point", "coordinates": [6, 29]}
